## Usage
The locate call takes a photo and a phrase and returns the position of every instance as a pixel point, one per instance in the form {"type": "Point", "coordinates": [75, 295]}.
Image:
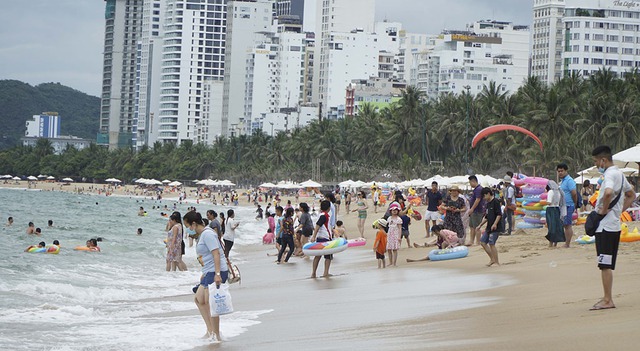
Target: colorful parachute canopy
{"type": "Point", "coordinates": [501, 127]}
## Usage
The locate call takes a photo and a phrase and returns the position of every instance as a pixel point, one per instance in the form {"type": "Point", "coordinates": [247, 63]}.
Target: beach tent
{"type": "Point", "coordinates": [226, 183]}
{"type": "Point", "coordinates": [67, 179]}
{"type": "Point", "coordinates": [310, 184]}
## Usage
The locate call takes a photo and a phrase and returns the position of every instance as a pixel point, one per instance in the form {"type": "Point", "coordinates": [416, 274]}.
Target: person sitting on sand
{"type": "Point", "coordinates": [31, 228]}
{"type": "Point", "coordinates": [444, 238]}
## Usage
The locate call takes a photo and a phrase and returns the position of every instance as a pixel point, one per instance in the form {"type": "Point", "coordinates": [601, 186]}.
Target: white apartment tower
{"type": "Point", "coordinates": [468, 60]}
{"type": "Point", "coordinates": [336, 16]}
{"type": "Point", "coordinates": [248, 20]}
{"type": "Point", "coordinates": [123, 23]}
{"type": "Point", "coordinates": [546, 49]}
{"type": "Point", "coordinates": [185, 51]}
{"type": "Point", "coordinates": [601, 34]}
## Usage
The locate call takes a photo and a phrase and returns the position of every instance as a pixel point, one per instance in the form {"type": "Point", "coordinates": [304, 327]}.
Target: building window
{"type": "Point", "coordinates": [612, 62]}
{"type": "Point", "coordinates": [596, 61]}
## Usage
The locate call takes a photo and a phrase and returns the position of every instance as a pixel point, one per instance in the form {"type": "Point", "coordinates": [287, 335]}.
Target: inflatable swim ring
{"type": "Point", "coordinates": [532, 190]}
{"type": "Point", "coordinates": [536, 207]}
{"type": "Point", "coordinates": [626, 217]}
{"type": "Point", "coordinates": [325, 248]}
{"type": "Point", "coordinates": [525, 225]}
{"type": "Point", "coordinates": [535, 220]}
{"type": "Point", "coordinates": [536, 181]}
{"type": "Point", "coordinates": [585, 239]}
{"type": "Point", "coordinates": [356, 242]}
{"type": "Point", "coordinates": [84, 248]}
{"type": "Point", "coordinates": [51, 249]}
{"type": "Point", "coordinates": [448, 254]}
{"type": "Point", "coordinates": [630, 237]}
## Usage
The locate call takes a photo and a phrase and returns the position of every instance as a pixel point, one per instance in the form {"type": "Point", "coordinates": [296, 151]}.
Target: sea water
{"type": "Point", "coordinates": [123, 299]}
{"type": "Point", "coordinates": [112, 300]}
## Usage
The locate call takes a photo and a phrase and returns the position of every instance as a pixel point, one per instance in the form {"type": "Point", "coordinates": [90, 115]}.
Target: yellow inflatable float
{"type": "Point", "coordinates": [627, 237]}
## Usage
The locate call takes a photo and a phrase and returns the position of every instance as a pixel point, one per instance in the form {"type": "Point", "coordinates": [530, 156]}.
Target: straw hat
{"type": "Point", "coordinates": [507, 179]}
{"type": "Point", "coordinates": [454, 188]}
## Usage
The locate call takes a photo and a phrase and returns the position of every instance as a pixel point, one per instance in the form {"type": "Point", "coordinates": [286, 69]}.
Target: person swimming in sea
{"type": "Point", "coordinates": [31, 228]}
{"type": "Point", "coordinates": [39, 246]}
{"type": "Point", "coordinates": [92, 244]}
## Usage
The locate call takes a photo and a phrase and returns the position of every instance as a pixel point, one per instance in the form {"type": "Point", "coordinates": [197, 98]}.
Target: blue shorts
{"type": "Point", "coordinates": [207, 279]}
{"type": "Point", "coordinates": [489, 238]}
{"type": "Point", "coordinates": [568, 219]}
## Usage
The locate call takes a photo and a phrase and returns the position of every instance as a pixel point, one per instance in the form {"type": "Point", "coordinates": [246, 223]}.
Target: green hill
{"type": "Point", "coordinates": [20, 101]}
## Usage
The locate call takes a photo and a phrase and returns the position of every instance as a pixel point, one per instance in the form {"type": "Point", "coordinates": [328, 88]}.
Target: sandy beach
{"type": "Point", "coordinates": [539, 298]}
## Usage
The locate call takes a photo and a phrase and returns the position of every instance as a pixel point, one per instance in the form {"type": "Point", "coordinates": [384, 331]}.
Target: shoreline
{"type": "Point", "coordinates": [545, 304]}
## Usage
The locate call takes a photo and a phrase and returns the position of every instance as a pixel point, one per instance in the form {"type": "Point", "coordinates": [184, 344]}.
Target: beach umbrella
{"type": "Point", "coordinates": [113, 180]}
{"type": "Point", "coordinates": [267, 185]}
{"type": "Point", "coordinates": [67, 179]}
{"type": "Point", "coordinates": [42, 176]}
{"type": "Point", "coordinates": [51, 178]}
{"type": "Point", "coordinates": [6, 176]}
{"type": "Point", "coordinates": [140, 180]}
{"type": "Point", "coordinates": [346, 184]}
{"type": "Point", "coordinates": [16, 178]}
{"type": "Point", "coordinates": [32, 178]}
{"type": "Point", "coordinates": [166, 181]}
{"type": "Point", "coordinates": [176, 183]}
{"type": "Point", "coordinates": [226, 183]}
{"type": "Point", "coordinates": [310, 184]}
{"type": "Point", "coordinates": [207, 182]}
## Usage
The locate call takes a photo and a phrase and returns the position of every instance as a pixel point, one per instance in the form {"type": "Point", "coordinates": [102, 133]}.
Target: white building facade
{"type": "Point", "coordinates": [546, 43]}
{"type": "Point", "coordinates": [601, 35]}
{"type": "Point", "coordinates": [468, 60]}
{"type": "Point", "coordinates": [123, 24]}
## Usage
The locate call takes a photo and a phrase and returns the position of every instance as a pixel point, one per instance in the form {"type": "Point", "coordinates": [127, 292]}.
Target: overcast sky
{"type": "Point", "coordinates": [61, 40]}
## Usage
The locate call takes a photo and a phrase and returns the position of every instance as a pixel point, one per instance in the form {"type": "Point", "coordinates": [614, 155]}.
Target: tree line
{"type": "Point", "coordinates": [413, 137]}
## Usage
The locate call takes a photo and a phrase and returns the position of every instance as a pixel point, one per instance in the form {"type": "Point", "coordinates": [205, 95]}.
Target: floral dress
{"type": "Point", "coordinates": [393, 237]}
{"type": "Point", "coordinates": [453, 220]}
{"type": "Point", "coordinates": [174, 245]}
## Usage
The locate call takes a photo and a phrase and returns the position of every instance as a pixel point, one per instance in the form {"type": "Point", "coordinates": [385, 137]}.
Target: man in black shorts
{"type": "Point", "coordinates": [610, 204]}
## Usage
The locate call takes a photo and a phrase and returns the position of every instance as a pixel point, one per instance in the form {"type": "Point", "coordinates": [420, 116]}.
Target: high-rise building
{"type": "Point", "coordinates": [45, 125]}
{"type": "Point", "coordinates": [183, 47]}
{"type": "Point", "coordinates": [247, 21]}
{"type": "Point", "coordinates": [123, 23]}
{"type": "Point", "coordinates": [600, 34]}
{"type": "Point", "coordinates": [336, 16]}
{"type": "Point", "coordinates": [470, 59]}
{"type": "Point", "coordinates": [546, 43]}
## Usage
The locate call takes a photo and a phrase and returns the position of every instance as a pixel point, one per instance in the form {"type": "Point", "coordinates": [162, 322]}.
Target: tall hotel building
{"type": "Point", "coordinates": [601, 34]}
{"type": "Point", "coordinates": [123, 23]}
{"type": "Point", "coordinates": [546, 50]}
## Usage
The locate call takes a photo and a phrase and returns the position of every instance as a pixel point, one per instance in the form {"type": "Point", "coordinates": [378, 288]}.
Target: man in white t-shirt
{"type": "Point", "coordinates": [608, 232]}
{"type": "Point", "coordinates": [509, 196]}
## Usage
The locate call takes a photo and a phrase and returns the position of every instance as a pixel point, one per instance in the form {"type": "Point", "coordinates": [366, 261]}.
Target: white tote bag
{"type": "Point", "coordinates": [220, 300]}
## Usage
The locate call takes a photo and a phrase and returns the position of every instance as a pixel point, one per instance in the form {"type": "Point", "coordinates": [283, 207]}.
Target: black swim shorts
{"type": "Point", "coordinates": [607, 249]}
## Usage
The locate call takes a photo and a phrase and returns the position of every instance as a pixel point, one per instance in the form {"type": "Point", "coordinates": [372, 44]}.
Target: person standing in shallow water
{"type": "Point", "coordinates": [174, 243]}
{"type": "Point", "coordinates": [214, 271]}
{"type": "Point", "coordinates": [322, 233]}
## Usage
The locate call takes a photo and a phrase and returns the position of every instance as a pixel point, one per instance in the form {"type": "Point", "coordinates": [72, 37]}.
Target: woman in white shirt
{"type": "Point", "coordinates": [230, 232]}
{"type": "Point", "coordinates": [555, 213]}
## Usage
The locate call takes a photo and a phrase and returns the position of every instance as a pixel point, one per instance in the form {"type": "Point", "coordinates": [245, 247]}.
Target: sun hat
{"type": "Point", "coordinates": [382, 222]}
{"type": "Point", "coordinates": [507, 179]}
{"type": "Point", "coordinates": [395, 206]}
{"type": "Point", "coordinates": [454, 188]}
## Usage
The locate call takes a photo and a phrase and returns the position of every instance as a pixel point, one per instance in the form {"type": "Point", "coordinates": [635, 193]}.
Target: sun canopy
{"type": "Point", "coordinates": [310, 184]}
